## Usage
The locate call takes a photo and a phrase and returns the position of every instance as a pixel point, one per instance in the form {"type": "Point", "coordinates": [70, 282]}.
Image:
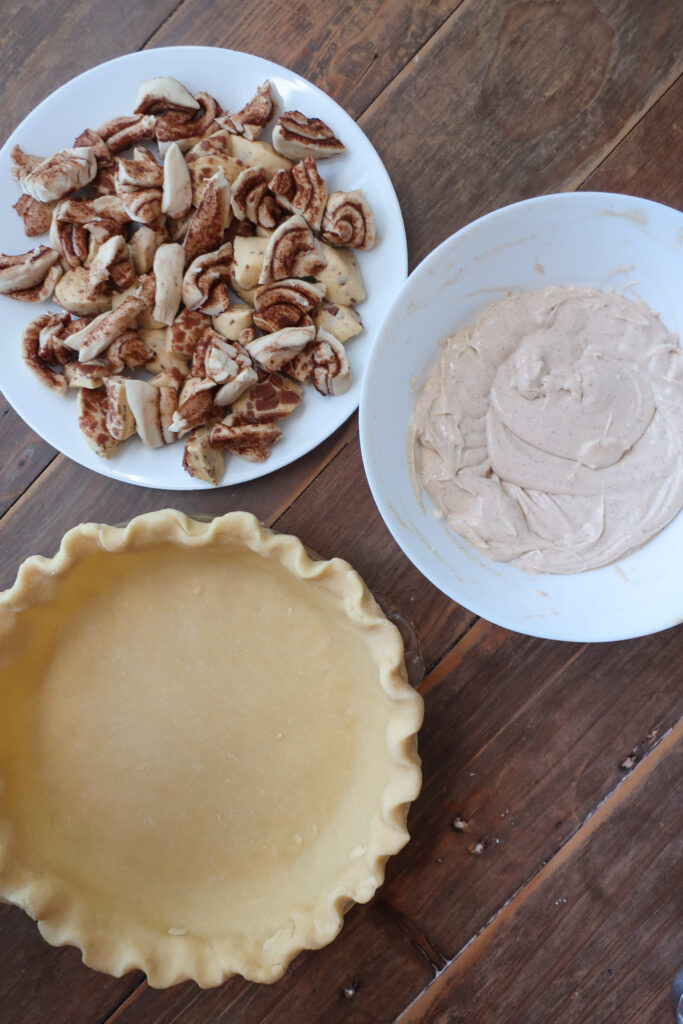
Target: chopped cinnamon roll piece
{"type": "Point", "coordinates": [324, 362]}
{"type": "Point", "coordinates": [163, 94]}
{"type": "Point", "coordinates": [112, 268]}
{"type": "Point", "coordinates": [348, 220]}
{"type": "Point", "coordinates": [343, 322]}
{"type": "Point", "coordinates": [51, 337]}
{"type": "Point", "coordinates": [301, 190]}
{"type": "Point", "coordinates": [176, 229]}
{"type": "Point", "coordinates": [128, 351]}
{"type": "Point", "coordinates": [257, 153]}
{"type": "Point", "coordinates": [198, 368]}
{"type": "Point", "coordinates": [143, 401]}
{"type": "Point", "coordinates": [139, 184]}
{"type": "Point", "coordinates": [79, 226]}
{"type": "Point", "coordinates": [233, 321]}
{"type": "Point", "coordinates": [103, 182]}
{"type": "Point", "coordinates": [204, 275]}
{"type": "Point", "coordinates": [271, 399]}
{"type": "Point", "coordinates": [200, 460]}
{"type": "Point", "coordinates": [218, 301]}
{"type": "Point", "coordinates": [163, 357]}
{"type": "Point", "coordinates": [98, 335]}
{"type": "Point", "coordinates": [222, 360]}
{"type": "Point", "coordinates": [70, 240]}
{"type": "Point", "coordinates": [211, 218]}
{"type": "Point", "coordinates": [250, 199]}
{"type": "Point", "coordinates": [286, 303]}
{"type": "Point", "coordinates": [273, 351]}
{"type": "Point", "coordinates": [207, 157]}
{"type": "Point", "coordinates": [30, 351]}
{"type": "Point", "coordinates": [176, 197]}
{"type": "Point", "coordinates": [248, 254]}
{"type": "Point", "coordinates": [23, 163]}
{"type": "Point", "coordinates": [36, 216]}
{"type": "Point", "coordinates": [217, 145]}
{"type": "Point", "coordinates": [297, 136]}
{"type": "Point", "coordinates": [252, 118]}
{"type": "Point", "coordinates": [95, 141]}
{"type": "Point", "coordinates": [186, 330]}
{"type": "Point", "coordinates": [143, 246]}
{"type": "Point", "coordinates": [341, 276]}
{"type": "Point", "coordinates": [123, 132]}
{"type": "Point", "coordinates": [30, 276]}
{"type": "Point", "coordinates": [76, 220]}
{"type": "Point", "coordinates": [73, 292]}
{"type": "Point", "coordinates": [292, 251]}
{"type": "Point", "coordinates": [92, 419]}
{"type": "Point", "coordinates": [195, 405]}
{"type": "Point", "coordinates": [86, 375]}
{"type": "Point", "coordinates": [153, 409]}
{"type": "Point", "coordinates": [57, 176]}
{"type": "Point", "coordinates": [187, 128]}
{"type": "Point", "coordinates": [169, 263]}
{"type": "Point", "coordinates": [120, 420]}
{"type": "Point", "coordinates": [244, 378]}
{"type": "Point", "coordinates": [251, 441]}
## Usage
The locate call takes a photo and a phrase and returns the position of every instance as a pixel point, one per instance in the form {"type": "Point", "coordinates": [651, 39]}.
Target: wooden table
{"type": "Point", "coordinates": [544, 880]}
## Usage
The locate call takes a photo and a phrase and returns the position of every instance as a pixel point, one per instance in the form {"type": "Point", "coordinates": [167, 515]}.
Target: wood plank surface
{"type": "Point", "coordinates": [352, 981]}
{"type": "Point", "coordinates": [24, 456]}
{"type": "Point", "coordinates": [47, 42]}
{"type": "Point", "coordinates": [522, 739]}
{"type": "Point", "coordinates": [351, 50]}
{"type": "Point", "coordinates": [588, 939]}
{"type": "Point", "coordinates": [40, 984]}
{"type": "Point", "coordinates": [543, 881]}
{"type": "Point", "coordinates": [511, 100]}
{"type": "Point", "coordinates": [648, 162]}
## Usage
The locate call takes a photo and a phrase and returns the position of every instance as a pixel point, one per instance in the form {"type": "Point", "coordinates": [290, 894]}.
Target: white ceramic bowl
{"type": "Point", "coordinates": [590, 239]}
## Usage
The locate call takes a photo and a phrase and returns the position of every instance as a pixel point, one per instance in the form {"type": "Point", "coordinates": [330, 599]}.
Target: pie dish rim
{"type": "Point", "coordinates": [62, 913]}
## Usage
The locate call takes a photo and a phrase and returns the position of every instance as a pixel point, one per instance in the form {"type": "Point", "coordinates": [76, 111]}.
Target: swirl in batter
{"type": "Point", "coordinates": [550, 434]}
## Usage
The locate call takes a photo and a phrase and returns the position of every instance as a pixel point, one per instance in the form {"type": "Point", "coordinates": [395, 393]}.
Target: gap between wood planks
{"type": "Point", "coordinates": [161, 25]}
{"type": "Point", "coordinates": [416, 1011]}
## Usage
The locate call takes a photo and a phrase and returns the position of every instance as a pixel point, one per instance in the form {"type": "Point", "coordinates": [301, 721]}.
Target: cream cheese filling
{"type": "Point", "coordinates": [550, 434]}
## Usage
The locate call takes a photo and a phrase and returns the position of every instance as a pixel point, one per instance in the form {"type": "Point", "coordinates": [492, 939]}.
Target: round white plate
{"type": "Point", "coordinates": [612, 242]}
{"type": "Point", "coordinates": [109, 90]}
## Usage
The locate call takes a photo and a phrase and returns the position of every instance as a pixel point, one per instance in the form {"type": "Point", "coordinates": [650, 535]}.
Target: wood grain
{"type": "Point", "coordinates": [522, 740]}
{"type": "Point", "coordinates": [351, 50]}
{"type": "Point", "coordinates": [24, 456]}
{"type": "Point", "coordinates": [589, 938]}
{"type": "Point", "coordinates": [47, 42]}
{"type": "Point", "coordinates": [356, 531]}
{"type": "Point", "coordinates": [510, 100]}
{"type": "Point", "coordinates": [39, 983]}
{"type": "Point", "coordinates": [367, 975]}
{"type": "Point", "coordinates": [648, 162]}
{"type": "Point", "coordinates": [67, 494]}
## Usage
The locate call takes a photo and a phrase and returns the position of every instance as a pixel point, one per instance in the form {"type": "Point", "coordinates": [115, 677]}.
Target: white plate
{"type": "Point", "coordinates": [612, 242]}
{"type": "Point", "coordinates": [109, 90]}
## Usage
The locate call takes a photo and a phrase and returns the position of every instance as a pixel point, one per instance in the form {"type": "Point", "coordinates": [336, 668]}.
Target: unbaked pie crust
{"type": "Point", "coordinates": [207, 747]}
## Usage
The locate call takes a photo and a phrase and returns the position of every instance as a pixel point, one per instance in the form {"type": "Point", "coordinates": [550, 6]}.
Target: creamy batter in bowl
{"type": "Point", "coordinates": [550, 434]}
{"type": "Point", "coordinates": [610, 243]}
